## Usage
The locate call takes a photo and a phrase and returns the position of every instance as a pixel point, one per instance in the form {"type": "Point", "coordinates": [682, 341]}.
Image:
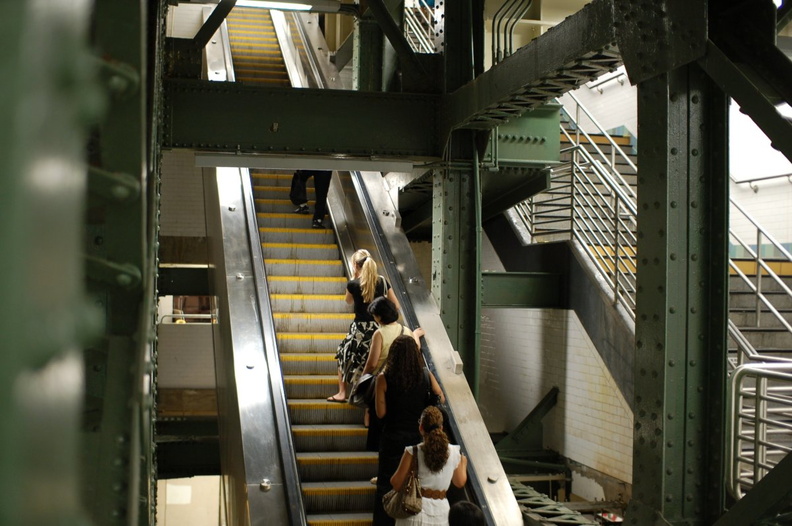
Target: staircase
{"type": "Point", "coordinates": [306, 281]}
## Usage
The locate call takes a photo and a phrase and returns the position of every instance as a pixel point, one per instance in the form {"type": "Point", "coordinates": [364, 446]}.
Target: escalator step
{"type": "Point", "coordinates": [312, 322]}
{"type": "Point", "coordinates": [337, 496]}
{"type": "Point", "coordinates": [320, 411]}
{"type": "Point", "coordinates": [304, 267]}
{"type": "Point", "coordinates": [290, 235]}
{"type": "Point", "coordinates": [300, 250]}
{"type": "Point", "coordinates": [340, 437]}
{"type": "Point", "coordinates": [309, 363]}
{"type": "Point", "coordinates": [309, 342]}
{"type": "Point", "coordinates": [310, 386]}
{"type": "Point", "coordinates": [337, 465]}
{"type": "Point", "coordinates": [308, 303]}
{"type": "Point", "coordinates": [306, 284]}
{"type": "Point", "coordinates": [340, 519]}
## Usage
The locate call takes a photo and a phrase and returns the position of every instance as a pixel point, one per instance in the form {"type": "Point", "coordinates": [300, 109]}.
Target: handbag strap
{"type": "Point", "coordinates": [415, 461]}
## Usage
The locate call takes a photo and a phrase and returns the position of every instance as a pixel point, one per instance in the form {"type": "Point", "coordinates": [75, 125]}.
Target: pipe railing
{"type": "Point", "coordinates": [761, 422]}
{"type": "Point", "coordinates": [419, 27]}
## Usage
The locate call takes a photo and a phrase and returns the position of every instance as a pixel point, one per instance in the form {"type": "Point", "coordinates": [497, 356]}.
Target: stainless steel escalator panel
{"type": "Point", "coordinates": [256, 451]}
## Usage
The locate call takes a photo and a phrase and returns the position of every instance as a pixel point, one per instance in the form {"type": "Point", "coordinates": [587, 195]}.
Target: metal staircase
{"type": "Point", "coordinates": [306, 280]}
{"type": "Point", "coordinates": [592, 203]}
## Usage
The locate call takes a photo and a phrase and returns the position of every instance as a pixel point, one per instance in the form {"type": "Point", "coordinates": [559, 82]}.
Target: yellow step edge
{"type": "Point", "coordinates": [310, 381]}
{"type": "Point", "coordinates": [261, 188]}
{"type": "Point", "coordinates": [324, 461]}
{"type": "Point", "coordinates": [278, 215]}
{"type": "Point", "coordinates": [311, 336]}
{"type": "Point", "coordinates": [339, 491]}
{"type": "Point", "coordinates": [276, 230]}
{"type": "Point", "coordinates": [270, 200]}
{"type": "Point", "coordinates": [339, 521]}
{"type": "Point", "coordinates": [300, 245]}
{"type": "Point", "coordinates": [314, 297]}
{"type": "Point", "coordinates": [330, 432]}
{"type": "Point", "coordinates": [312, 357]}
{"type": "Point", "coordinates": [265, 175]}
{"type": "Point", "coordinates": [318, 406]}
{"type": "Point", "coordinates": [320, 279]}
{"type": "Point", "coordinates": [277, 261]}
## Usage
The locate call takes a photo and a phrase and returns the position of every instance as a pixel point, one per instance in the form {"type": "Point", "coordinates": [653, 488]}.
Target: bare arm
{"type": "Point", "coordinates": [374, 353]}
{"type": "Point", "coordinates": [417, 333]}
{"type": "Point", "coordinates": [402, 471]}
{"type": "Point", "coordinates": [392, 297]}
{"type": "Point", "coordinates": [380, 387]}
{"type": "Point", "coordinates": [349, 298]}
{"type": "Point", "coordinates": [436, 387]}
{"type": "Point", "coordinates": [459, 478]}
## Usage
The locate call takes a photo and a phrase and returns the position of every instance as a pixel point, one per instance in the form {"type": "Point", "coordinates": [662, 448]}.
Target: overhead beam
{"type": "Point", "coordinates": [572, 53]}
{"type": "Point", "coordinates": [230, 117]}
{"type": "Point", "coordinates": [213, 23]}
{"type": "Point", "coordinates": [521, 289]}
{"type": "Point", "coordinates": [395, 36]}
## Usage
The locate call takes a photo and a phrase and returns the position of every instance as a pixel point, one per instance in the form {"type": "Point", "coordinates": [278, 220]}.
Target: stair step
{"type": "Point", "coordinates": [319, 411]}
{"type": "Point", "coordinates": [309, 363]}
{"type": "Point", "coordinates": [321, 251]}
{"type": "Point", "coordinates": [337, 496]}
{"type": "Point", "coordinates": [337, 322]}
{"type": "Point", "coordinates": [319, 342]}
{"type": "Point", "coordinates": [306, 284]}
{"type": "Point", "coordinates": [281, 220]}
{"type": "Point", "coordinates": [304, 267]}
{"type": "Point", "coordinates": [277, 191]}
{"type": "Point", "coordinates": [340, 437]}
{"type": "Point", "coordinates": [340, 519]}
{"type": "Point", "coordinates": [261, 178]}
{"type": "Point", "coordinates": [337, 465]}
{"type": "Point", "coordinates": [308, 303]}
{"type": "Point", "coordinates": [296, 235]}
{"type": "Point", "coordinates": [310, 386]}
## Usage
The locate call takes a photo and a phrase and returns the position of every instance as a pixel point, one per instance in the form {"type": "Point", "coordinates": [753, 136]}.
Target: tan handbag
{"type": "Point", "coordinates": [407, 502]}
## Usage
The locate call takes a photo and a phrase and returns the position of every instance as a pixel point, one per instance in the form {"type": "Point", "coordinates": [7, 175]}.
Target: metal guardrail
{"type": "Point", "coordinates": [590, 202]}
{"type": "Point", "coordinates": [419, 24]}
{"type": "Point", "coordinates": [761, 425]}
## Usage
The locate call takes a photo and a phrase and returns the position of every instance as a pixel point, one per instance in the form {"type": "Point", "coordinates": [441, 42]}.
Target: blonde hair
{"type": "Point", "coordinates": [434, 439]}
{"type": "Point", "coordinates": [367, 273]}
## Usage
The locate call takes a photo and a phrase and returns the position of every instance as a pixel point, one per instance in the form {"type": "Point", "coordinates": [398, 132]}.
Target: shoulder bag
{"type": "Point", "coordinates": [407, 502]}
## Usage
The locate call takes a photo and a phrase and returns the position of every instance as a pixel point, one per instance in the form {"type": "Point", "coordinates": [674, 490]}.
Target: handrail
{"type": "Point", "coordinates": [760, 424]}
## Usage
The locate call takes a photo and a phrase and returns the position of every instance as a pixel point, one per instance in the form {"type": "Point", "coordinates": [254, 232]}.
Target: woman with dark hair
{"type": "Point", "coordinates": [401, 394]}
{"type": "Point", "coordinates": [353, 350]}
{"type": "Point", "coordinates": [439, 465]}
{"type": "Point", "coordinates": [386, 315]}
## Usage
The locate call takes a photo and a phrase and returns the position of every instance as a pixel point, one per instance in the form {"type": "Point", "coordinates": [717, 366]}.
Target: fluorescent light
{"type": "Point", "coordinates": [325, 6]}
{"type": "Point", "coordinates": [263, 4]}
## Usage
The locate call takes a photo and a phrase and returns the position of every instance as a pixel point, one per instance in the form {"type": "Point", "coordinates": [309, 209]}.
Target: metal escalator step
{"type": "Point", "coordinates": [337, 465]}
{"type": "Point", "coordinates": [310, 386]}
{"type": "Point", "coordinates": [309, 322]}
{"type": "Point", "coordinates": [304, 267]}
{"type": "Point", "coordinates": [340, 437]}
{"type": "Point", "coordinates": [308, 303]}
{"type": "Point", "coordinates": [306, 284]}
{"type": "Point", "coordinates": [276, 191]}
{"type": "Point", "coordinates": [296, 235]}
{"type": "Point", "coordinates": [309, 363]}
{"type": "Point", "coordinates": [309, 342]}
{"type": "Point", "coordinates": [320, 411]}
{"type": "Point", "coordinates": [270, 178]}
{"type": "Point", "coordinates": [290, 220]}
{"type": "Point", "coordinates": [340, 519]}
{"type": "Point", "coordinates": [338, 496]}
{"type": "Point", "coordinates": [300, 250]}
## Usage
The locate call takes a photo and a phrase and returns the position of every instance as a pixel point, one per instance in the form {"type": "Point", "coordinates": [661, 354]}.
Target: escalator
{"type": "Point", "coordinates": [289, 456]}
{"type": "Point", "coordinates": [306, 280]}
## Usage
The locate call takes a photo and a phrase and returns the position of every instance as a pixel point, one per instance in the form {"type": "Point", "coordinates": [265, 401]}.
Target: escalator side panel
{"type": "Point", "coordinates": [246, 413]}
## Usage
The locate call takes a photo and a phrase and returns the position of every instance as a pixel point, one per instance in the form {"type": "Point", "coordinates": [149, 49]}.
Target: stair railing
{"type": "Point", "coordinates": [760, 408]}
{"type": "Point", "coordinates": [763, 269]}
{"type": "Point", "coordinates": [419, 24]}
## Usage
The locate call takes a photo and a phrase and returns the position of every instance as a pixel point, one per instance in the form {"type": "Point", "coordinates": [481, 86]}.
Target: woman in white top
{"type": "Point", "coordinates": [386, 315]}
{"type": "Point", "coordinates": [439, 465]}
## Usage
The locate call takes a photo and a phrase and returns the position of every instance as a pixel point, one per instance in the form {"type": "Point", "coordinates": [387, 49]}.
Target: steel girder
{"type": "Point", "coordinates": [680, 363]}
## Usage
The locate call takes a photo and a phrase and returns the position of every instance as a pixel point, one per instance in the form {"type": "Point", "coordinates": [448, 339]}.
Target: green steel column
{"type": "Point", "coordinates": [367, 54]}
{"type": "Point", "coordinates": [48, 100]}
{"type": "Point", "coordinates": [681, 301]}
{"type": "Point", "coordinates": [455, 273]}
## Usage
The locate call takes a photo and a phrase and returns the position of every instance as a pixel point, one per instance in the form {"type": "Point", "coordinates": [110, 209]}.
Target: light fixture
{"type": "Point", "coordinates": [323, 6]}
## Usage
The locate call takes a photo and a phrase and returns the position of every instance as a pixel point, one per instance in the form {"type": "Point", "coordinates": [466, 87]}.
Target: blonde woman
{"type": "Point", "coordinates": [365, 285]}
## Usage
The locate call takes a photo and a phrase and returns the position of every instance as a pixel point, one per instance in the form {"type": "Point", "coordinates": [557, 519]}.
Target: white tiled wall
{"type": "Point", "coordinates": [182, 198]}
{"type": "Point", "coordinates": [525, 352]}
{"type": "Point", "coordinates": [770, 206]}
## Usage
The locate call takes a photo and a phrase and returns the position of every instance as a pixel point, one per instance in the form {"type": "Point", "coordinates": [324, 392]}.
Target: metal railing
{"type": "Point", "coordinates": [761, 422]}
{"type": "Point", "coordinates": [419, 24]}
{"type": "Point", "coordinates": [591, 203]}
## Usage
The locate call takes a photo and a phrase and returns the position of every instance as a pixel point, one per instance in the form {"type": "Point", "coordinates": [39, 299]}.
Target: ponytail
{"type": "Point", "coordinates": [368, 279]}
{"type": "Point", "coordinates": [435, 443]}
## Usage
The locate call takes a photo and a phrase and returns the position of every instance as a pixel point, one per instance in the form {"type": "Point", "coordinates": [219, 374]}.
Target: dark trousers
{"type": "Point", "coordinates": [299, 194]}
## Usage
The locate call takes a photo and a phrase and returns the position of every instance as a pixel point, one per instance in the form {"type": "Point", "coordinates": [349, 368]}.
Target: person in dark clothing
{"type": "Point", "coordinates": [401, 394]}
{"type": "Point", "coordinates": [465, 513]}
{"type": "Point", "coordinates": [299, 194]}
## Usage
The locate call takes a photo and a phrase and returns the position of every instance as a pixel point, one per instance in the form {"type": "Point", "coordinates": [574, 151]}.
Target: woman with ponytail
{"type": "Point", "coordinates": [365, 285]}
{"type": "Point", "coordinates": [439, 465]}
{"type": "Point", "coordinates": [400, 396]}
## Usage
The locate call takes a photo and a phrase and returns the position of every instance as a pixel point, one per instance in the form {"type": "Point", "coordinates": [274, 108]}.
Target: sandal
{"type": "Point", "coordinates": [336, 400]}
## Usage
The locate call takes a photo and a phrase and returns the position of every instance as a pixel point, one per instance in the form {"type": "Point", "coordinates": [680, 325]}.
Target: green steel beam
{"type": "Point", "coordinates": [535, 290]}
{"type": "Point", "coordinates": [528, 435]}
{"type": "Point", "coordinates": [48, 101]}
{"type": "Point", "coordinates": [574, 52]}
{"type": "Point", "coordinates": [680, 363]}
{"type": "Point", "coordinates": [367, 55]}
{"type": "Point", "coordinates": [219, 116]}
{"type": "Point", "coordinates": [770, 496]}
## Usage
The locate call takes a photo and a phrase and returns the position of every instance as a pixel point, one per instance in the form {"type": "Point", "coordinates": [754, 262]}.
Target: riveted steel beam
{"type": "Point", "coordinates": [572, 53]}
{"type": "Point", "coordinates": [233, 118]}
{"type": "Point", "coordinates": [680, 361]}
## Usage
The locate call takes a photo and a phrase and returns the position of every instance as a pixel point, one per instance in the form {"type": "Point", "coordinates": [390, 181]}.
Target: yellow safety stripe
{"type": "Point", "coordinates": [300, 245]}
{"type": "Point", "coordinates": [311, 336]}
{"type": "Point", "coordinates": [303, 261]}
{"type": "Point", "coordinates": [306, 278]}
{"type": "Point", "coordinates": [269, 200]}
{"type": "Point", "coordinates": [312, 357]}
{"type": "Point", "coordinates": [319, 461]}
{"type": "Point", "coordinates": [330, 297]}
{"type": "Point", "coordinates": [310, 381]}
{"type": "Point", "coordinates": [339, 490]}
